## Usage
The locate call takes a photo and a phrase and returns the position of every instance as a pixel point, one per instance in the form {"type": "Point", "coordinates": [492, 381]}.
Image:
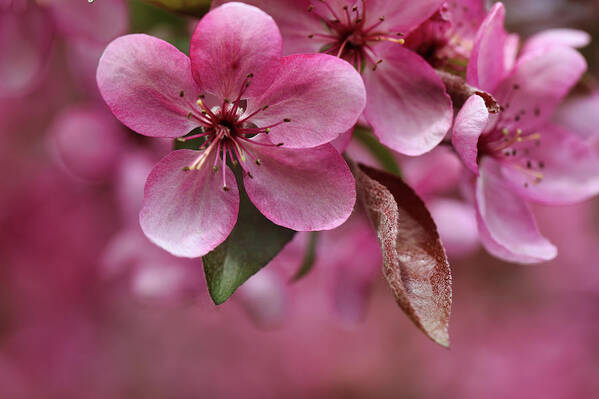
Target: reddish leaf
{"type": "Point", "coordinates": [414, 260]}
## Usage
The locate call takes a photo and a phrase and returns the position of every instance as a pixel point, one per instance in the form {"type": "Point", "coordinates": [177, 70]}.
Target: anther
{"type": "Point", "coordinates": [286, 120]}
{"type": "Point", "coordinates": [186, 169]}
{"type": "Point", "coordinates": [258, 162]}
{"type": "Point", "coordinates": [280, 144]}
{"type": "Point", "coordinates": [225, 188]}
{"type": "Point", "coordinates": [181, 93]}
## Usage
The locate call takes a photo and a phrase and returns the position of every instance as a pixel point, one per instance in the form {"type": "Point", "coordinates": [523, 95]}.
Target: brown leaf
{"type": "Point", "coordinates": [460, 91]}
{"type": "Point", "coordinates": [414, 260]}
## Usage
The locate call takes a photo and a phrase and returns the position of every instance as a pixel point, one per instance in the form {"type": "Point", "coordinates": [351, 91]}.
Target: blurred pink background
{"type": "Point", "coordinates": [90, 309]}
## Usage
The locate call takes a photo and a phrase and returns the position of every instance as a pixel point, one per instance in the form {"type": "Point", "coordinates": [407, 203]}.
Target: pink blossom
{"type": "Point", "coordinates": [446, 39]}
{"type": "Point", "coordinates": [273, 116]}
{"type": "Point", "coordinates": [518, 154]}
{"type": "Point", "coordinates": [407, 105]}
{"type": "Point", "coordinates": [88, 141]}
{"type": "Point", "coordinates": [28, 30]}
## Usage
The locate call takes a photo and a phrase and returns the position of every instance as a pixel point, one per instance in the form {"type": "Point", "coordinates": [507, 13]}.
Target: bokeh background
{"type": "Point", "coordinates": [89, 309]}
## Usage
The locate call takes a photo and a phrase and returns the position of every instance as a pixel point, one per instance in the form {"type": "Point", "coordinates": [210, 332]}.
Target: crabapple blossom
{"type": "Point", "coordinates": [271, 116]}
{"type": "Point", "coordinates": [518, 155]}
{"type": "Point", "coordinates": [407, 106]}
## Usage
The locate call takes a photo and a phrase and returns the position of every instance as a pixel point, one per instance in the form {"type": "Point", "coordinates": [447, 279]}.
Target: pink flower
{"type": "Point", "coordinates": [28, 30]}
{"type": "Point", "coordinates": [518, 154]}
{"type": "Point", "coordinates": [273, 116]}
{"type": "Point", "coordinates": [446, 39]}
{"type": "Point", "coordinates": [407, 105]}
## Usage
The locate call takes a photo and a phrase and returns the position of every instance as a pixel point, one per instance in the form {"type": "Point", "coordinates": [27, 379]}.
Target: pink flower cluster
{"type": "Point", "coordinates": [273, 103]}
{"type": "Point", "coordinates": [376, 62]}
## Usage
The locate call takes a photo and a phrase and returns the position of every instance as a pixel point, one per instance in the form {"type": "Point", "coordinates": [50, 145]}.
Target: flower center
{"type": "Point", "coordinates": [227, 131]}
{"type": "Point", "coordinates": [508, 143]}
{"type": "Point", "coordinates": [349, 35]}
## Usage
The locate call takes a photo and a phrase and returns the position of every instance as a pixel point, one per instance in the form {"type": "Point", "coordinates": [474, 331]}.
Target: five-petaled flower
{"type": "Point", "coordinates": [408, 107]}
{"type": "Point", "coordinates": [519, 155]}
{"type": "Point", "coordinates": [271, 116]}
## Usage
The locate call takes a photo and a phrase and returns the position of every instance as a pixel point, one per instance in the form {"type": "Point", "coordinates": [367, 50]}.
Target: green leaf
{"type": "Point", "coordinates": [253, 243]}
{"type": "Point", "coordinates": [309, 258]}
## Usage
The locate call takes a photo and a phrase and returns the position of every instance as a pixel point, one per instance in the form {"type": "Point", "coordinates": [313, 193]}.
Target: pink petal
{"type": "Point", "coordinates": [433, 173]}
{"type": "Point", "coordinates": [188, 213]}
{"type": "Point", "coordinates": [25, 44]}
{"type": "Point", "coordinates": [147, 84]}
{"type": "Point", "coordinates": [302, 189]}
{"type": "Point", "coordinates": [570, 169]}
{"type": "Point", "coordinates": [486, 66]}
{"type": "Point", "coordinates": [538, 83]}
{"type": "Point", "coordinates": [231, 42]}
{"type": "Point", "coordinates": [99, 21]}
{"type": "Point", "coordinates": [401, 15]}
{"type": "Point", "coordinates": [294, 20]}
{"type": "Point", "coordinates": [580, 114]}
{"type": "Point", "coordinates": [456, 222]}
{"type": "Point", "coordinates": [322, 96]}
{"type": "Point", "coordinates": [343, 140]}
{"type": "Point", "coordinates": [466, 17]}
{"type": "Point", "coordinates": [134, 168]}
{"type": "Point", "coordinates": [507, 226]}
{"type": "Point", "coordinates": [407, 105]}
{"type": "Point", "coordinates": [88, 140]}
{"type": "Point", "coordinates": [512, 45]}
{"type": "Point", "coordinates": [469, 125]}
{"type": "Point", "coordinates": [557, 37]}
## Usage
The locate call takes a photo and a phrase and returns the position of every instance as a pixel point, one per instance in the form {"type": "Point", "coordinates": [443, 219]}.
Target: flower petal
{"type": "Point", "coordinates": [456, 222]}
{"type": "Point", "coordinates": [343, 140]}
{"type": "Point", "coordinates": [230, 43]}
{"type": "Point", "coordinates": [407, 105]}
{"type": "Point", "coordinates": [188, 213]}
{"type": "Point", "coordinates": [507, 226]}
{"type": "Point", "coordinates": [469, 125]}
{"type": "Point", "coordinates": [423, 173]}
{"type": "Point", "coordinates": [147, 84]}
{"type": "Point", "coordinates": [322, 96]}
{"type": "Point", "coordinates": [557, 37]}
{"type": "Point", "coordinates": [538, 83]}
{"type": "Point", "coordinates": [294, 20]}
{"type": "Point", "coordinates": [302, 189]}
{"type": "Point", "coordinates": [486, 66]}
{"type": "Point", "coordinates": [580, 114]}
{"type": "Point", "coordinates": [569, 166]}
{"type": "Point", "coordinates": [401, 15]}
{"type": "Point", "coordinates": [25, 44]}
